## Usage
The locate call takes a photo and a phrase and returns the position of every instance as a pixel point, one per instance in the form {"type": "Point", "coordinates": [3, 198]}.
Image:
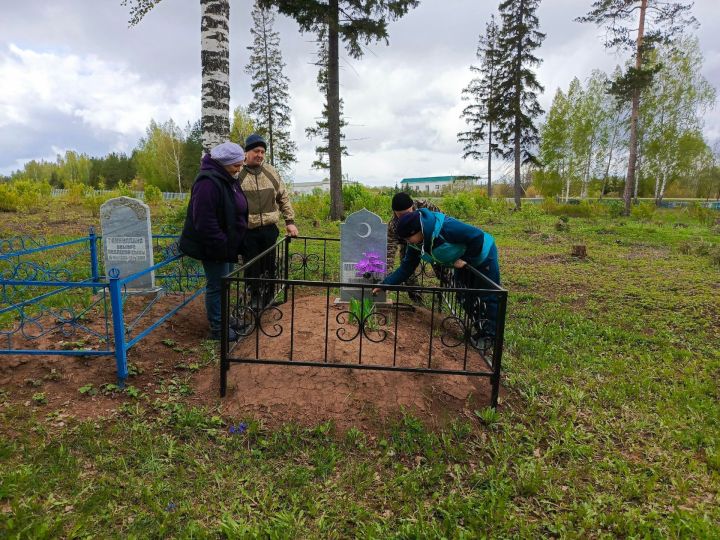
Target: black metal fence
{"type": "Point", "coordinates": [439, 323]}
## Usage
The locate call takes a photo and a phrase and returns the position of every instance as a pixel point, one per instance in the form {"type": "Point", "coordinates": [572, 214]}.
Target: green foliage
{"type": "Point", "coordinates": [87, 390]}
{"type": "Point", "coordinates": [704, 215]}
{"type": "Point", "coordinates": [242, 125]}
{"type": "Point", "coordinates": [159, 157]}
{"type": "Point", "coordinates": [152, 194]}
{"type": "Point", "coordinates": [461, 205]}
{"type": "Point", "coordinates": [314, 207]}
{"type": "Point", "coordinates": [356, 197]}
{"type": "Point", "coordinates": [23, 196]}
{"type": "Point", "coordinates": [643, 211]}
{"type": "Point", "coordinates": [583, 209]}
{"type": "Point", "coordinates": [363, 311]}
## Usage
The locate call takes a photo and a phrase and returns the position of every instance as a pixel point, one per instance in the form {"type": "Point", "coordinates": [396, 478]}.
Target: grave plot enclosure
{"type": "Point", "coordinates": [304, 320]}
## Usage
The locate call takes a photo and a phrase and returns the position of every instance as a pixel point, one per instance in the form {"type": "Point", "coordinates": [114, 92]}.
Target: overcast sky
{"type": "Point", "coordinates": [73, 76]}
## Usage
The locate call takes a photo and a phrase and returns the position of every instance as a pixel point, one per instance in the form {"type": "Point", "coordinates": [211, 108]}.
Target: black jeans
{"type": "Point", "coordinates": [256, 241]}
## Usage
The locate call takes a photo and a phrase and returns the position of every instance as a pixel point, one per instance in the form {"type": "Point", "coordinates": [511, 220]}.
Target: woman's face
{"type": "Point", "coordinates": [416, 238]}
{"type": "Point", "coordinates": [234, 169]}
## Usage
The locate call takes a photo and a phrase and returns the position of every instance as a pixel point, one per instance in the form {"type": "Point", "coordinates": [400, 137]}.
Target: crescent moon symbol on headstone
{"type": "Point", "coordinates": [369, 230]}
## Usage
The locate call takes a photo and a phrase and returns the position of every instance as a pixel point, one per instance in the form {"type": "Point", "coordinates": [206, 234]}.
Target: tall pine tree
{"type": "Point", "coordinates": [270, 107]}
{"type": "Point", "coordinates": [355, 22]}
{"type": "Point", "coordinates": [518, 86]}
{"type": "Point", "coordinates": [483, 112]}
{"type": "Point", "coordinates": [320, 129]}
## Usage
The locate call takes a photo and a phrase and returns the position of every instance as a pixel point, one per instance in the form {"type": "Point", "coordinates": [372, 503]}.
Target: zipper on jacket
{"type": "Point", "coordinates": [257, 192]}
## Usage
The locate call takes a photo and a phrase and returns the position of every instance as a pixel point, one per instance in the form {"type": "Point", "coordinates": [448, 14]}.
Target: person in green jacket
{"type": "Point", "coordinates": [443, 240]}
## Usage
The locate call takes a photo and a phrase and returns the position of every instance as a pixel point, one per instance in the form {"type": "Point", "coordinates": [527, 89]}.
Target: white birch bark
{"type": "Point", "coordinates": [215, 60]}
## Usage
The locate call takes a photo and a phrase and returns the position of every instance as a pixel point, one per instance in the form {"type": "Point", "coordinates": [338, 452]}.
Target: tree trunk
{"type": "Point", "coordinates": [333, 103]}
{"type": "Point", "coordinates": [271, 145]}
{"type": "Point", "coordinates": [518, 187]}
{"type": "Point", "coordinates": [586, 181]}
{"type": "Point", "coordinates": [489, 184]}
{"type": "Point", "coordinates": [518, 105]}
{"type": "Point", "coordinates": [214, 55]}
{"type": "Point", "coordinates": [630, 177]}
{"type": "Point", "coordinates": [609, 161]}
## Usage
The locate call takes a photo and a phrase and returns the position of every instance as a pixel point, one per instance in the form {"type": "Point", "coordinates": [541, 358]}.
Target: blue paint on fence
{"type": "Point", "coordinates": [20, 275]}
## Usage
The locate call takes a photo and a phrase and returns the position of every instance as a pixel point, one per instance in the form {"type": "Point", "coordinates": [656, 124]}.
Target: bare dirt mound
{"type": "Point", "coordinates": [171, 363]}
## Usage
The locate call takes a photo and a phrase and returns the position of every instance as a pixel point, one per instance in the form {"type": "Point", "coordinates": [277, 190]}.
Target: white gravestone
{"type": "Point", "coordinates": [127, 240]}
{"type": "Point", "coordinates": [363, 235]}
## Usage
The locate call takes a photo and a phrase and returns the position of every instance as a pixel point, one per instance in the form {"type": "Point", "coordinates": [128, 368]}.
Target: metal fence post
{"type": "Point", "coordinates": [94, 267]}
{"type": "Point", "coordinates": [286, 263]}
{"type": "Point", "coordinates": [118, 326]}
{"type": "Point", "coordinates": [224, 332]}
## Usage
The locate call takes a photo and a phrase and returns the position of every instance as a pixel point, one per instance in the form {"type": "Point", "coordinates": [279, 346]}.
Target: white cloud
{"type": "Point", "coordinates": [88, 93]}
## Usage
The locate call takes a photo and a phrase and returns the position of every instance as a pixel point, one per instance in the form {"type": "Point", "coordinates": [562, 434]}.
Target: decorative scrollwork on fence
{"type": "Point", "coordinates": [454, 331]}
{"type": "Point", "coordinates": [371, 326]}
{"type": "Point", "coordinates": [267, 318]}
{"type": "Point", "coordinates": [11, 245]}
{"type": "Point", "coordinates": [347, 318]}
{"type": "Point", "coordinates": [35, 320]}
{"type": "Point", "coordinates": [304, 261]}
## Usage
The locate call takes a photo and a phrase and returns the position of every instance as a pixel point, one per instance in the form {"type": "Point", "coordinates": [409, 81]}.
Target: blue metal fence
{"type": "Point", "coordinates": [52, 292]}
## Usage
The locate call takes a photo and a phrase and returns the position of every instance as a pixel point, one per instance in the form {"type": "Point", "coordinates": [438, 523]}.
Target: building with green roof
{"type": "Point", "coordinates": [436, 184]}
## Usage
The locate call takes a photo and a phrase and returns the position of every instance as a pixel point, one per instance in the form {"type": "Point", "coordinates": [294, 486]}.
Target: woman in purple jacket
{"type": "Point", "coordinates": [215, 223]}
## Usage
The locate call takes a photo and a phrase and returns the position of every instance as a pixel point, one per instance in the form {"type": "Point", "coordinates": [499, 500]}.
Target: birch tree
{"type": "Point", "coordinates": [215, 64]}
{"type": "Point", "coordinates": [672, 114]}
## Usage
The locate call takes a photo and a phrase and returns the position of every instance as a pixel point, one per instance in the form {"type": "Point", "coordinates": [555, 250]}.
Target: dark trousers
{"type": "Point", "coordinates": [483, 308]}
{"type": "Point", "coordinates": [256, 241]}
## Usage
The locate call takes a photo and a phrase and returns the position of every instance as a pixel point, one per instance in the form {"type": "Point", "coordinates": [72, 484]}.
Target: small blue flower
{"type": "Point", "coordinates": [171, 507]}
{"type": "Point", "coordinates": [239, 429]}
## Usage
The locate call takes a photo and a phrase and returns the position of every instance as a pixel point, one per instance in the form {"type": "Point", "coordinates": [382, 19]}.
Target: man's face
{"type": "Point", "coordinates": [255, 157]}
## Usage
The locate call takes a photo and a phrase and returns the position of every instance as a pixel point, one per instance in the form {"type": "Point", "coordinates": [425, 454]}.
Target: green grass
{"type": "Point", "coordinates": [610, 426]}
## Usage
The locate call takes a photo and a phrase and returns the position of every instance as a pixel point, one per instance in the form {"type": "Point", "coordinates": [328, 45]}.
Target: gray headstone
{"type": "Point", "coordinates": [127, 240]}
{"type": "Point", "coordinates": [362, 235]}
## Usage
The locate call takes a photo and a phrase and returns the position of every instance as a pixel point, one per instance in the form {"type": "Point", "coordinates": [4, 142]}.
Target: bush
{"type": "Point", "coordinates": [152, 194]}
{"type": "Point", "coordinates": [643, 211]}
{"type": "Point", "coordinates": [23, 196]}
{"type": "Point", "coordinates": [583, 209]}
{"type": "Point", "coordinates": [615, 208]}
{"type": "Point", "coordinates": [705, 216]}
{"type": "Point", "coordinates": [9, 199]}
{"type": "Point", "coordinates": [315, 206]}
{"type": "Point", "coordinates": [93, 200]}
{"type": "Point", "coordinates": [531, 215]}
{"type": "Point", "coordinates": [460, 206]}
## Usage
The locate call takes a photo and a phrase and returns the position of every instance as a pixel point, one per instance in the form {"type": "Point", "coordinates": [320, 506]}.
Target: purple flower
{"type": "Point", "coordinates": [369, 264]}
{"type": "Point", "coordinates": [171, 507]}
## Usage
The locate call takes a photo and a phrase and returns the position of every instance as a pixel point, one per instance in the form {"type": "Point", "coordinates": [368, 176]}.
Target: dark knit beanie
{"type": "Point", "coordinates": [401, 201]}
{"type": "Point", "coordinates": [253, 141]}
{"type": "Point", "coordinates": [408, 225]}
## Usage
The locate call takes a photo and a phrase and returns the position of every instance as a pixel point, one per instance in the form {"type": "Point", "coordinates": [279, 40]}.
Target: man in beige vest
{"type": "Point", "coordinates": [268, 201]}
